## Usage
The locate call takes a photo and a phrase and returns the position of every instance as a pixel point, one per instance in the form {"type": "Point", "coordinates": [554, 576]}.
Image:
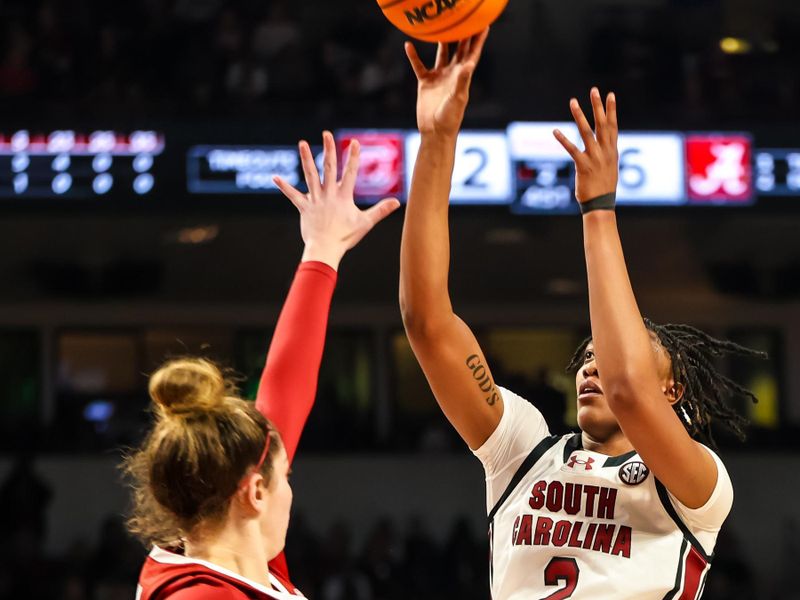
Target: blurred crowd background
{"type": "Point", "coordinates": [396, 560]}
{"type": "Point", "coordinates": [90, 302]}
{"type": "Point", "coordinates": [684, 60]}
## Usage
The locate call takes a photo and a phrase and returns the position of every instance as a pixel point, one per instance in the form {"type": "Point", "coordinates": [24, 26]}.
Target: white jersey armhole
{"type": "Point", "coordinates": [521, 428]}
{"type": "Point", "coordinates": [706, 521]}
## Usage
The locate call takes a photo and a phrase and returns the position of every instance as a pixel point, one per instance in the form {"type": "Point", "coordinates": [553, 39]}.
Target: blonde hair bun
{"type": "Point", "coordinates": [188, 386]}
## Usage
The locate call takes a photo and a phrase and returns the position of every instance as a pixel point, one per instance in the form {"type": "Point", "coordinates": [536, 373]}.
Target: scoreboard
{"type": "Point", "coordinates": [651, 169]}
{"type": "Point", "coordinates": [544, 173]}
{"type": "Point", "coordinates": [777, 172]}
{"type": "Point", "coordinates": [521, 167]}
{"type": "Point", "coordinates": [482, 172]}
{"type": "Point", "coordinates": [241, 169]}
{"type": "Point", "coordinates": [68, 163]}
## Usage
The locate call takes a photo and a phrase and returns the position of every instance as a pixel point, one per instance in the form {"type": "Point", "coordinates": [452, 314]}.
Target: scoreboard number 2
{"type": "Point", "coordinates": [482, 170]}
{"type": "Point", "coordinates": [561, 571]}
{"type": "Point", "coordinates": [482, 173]}
{"type": "Point", "coordinates": [474, 180]}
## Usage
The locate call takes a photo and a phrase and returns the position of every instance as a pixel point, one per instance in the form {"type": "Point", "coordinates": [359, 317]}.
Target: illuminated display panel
{"type": "Point", "coordinates": [381, 172]}
{"type": "Point", "coordinates": [543, 171]}
{"type": "Point", "coordinates": [482, 173]}
{"type": "Point", "coordinates": [719, 168]}
{"type": "Point", "coordinates": [777, 172]}
{"type": "Point", "coordinates": [523, 166]}
{"type": "Point", "coordinates": [71, 164]}
{"type": "Point", "coordinates": [652, 169]}
{"type": "Point", "coordinates": [241, 169]}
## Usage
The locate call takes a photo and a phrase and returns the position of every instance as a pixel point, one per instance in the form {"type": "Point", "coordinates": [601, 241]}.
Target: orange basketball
{"type": "Point", "coordinates": [442, 20]}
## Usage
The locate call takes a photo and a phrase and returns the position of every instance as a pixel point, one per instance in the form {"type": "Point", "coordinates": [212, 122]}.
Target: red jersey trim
{"type": "Point", "coordinates": [695, 569]}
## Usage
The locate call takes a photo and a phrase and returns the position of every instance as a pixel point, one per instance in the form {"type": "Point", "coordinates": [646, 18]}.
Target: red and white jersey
{"type": "Point", "coordinates": [168, 575]}
{"type": "Point", "coordinates": [568, 523]}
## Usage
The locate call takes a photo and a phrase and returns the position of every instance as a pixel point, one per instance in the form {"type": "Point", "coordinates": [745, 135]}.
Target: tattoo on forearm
{"type": "Point", "coordinates": [481, 374]}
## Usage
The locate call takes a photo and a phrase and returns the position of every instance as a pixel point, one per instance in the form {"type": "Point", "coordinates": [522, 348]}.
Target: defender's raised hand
{"type": "Point", "coordinates": [597, 168]}
{"type": "Point", "coordinates": [330, 221]}
{"type": "Point", "coordinates": [443, 91]}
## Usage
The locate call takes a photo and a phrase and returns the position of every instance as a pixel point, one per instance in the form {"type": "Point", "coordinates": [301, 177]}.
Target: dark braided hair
{"type": "Point", "coordinates": [706, 391]}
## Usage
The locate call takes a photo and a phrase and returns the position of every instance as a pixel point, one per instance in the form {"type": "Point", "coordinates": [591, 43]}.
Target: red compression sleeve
{"type": "Point", "coordinates": [289, 381]}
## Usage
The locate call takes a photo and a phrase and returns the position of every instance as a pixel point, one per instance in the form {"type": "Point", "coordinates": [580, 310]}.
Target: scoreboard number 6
{"type": "Point", "coordinates": [631, 175]}
{"type": "Point", "coordinates": [561, 571]}
{"type": "Point", "coordinates": [652, 168]}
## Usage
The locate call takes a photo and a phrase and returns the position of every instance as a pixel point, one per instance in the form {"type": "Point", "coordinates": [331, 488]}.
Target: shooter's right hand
{"type": "Point", "coordinates": [443, 91]}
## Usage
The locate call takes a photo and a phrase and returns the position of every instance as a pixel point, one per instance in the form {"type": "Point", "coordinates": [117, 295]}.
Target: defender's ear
{"type": "Point", "coordinates": [252, 492]}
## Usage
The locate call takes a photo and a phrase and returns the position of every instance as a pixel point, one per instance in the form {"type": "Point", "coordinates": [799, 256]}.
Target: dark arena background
{"type": "Point", "coordinates": [138, 221]}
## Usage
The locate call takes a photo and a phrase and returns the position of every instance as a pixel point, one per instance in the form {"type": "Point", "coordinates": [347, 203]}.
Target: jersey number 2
{"type": "Point", "coordinates": [559, 571]}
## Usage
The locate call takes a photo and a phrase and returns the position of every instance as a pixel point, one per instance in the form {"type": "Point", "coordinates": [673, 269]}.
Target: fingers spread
{"type": "Point", "coordinates": [571, 148]}
{"type": "Point", "coordinates": [583, 125]}
{"type": "Point", "coordinates": [442, 55]}
{"type": "Point", "coordinates": [310, 169]}
{"type": "Point", "coordinates": [599, 113]}
{"type": "Point", "coordinates": [350, 174]}
{"type": "Point", "coordinates": [611, 112]}
{"type": "Point", "coordinates": [381, 210]}
{"type": "Point", "coordinates": [293, 194]}
{"type": "Point", "coordinates": [478, 42]}
{"type": "Point", "coordinates": [416, 63]}
{"type": "Point", "coordinates": [330, 162]}
{"type": "Point", "coordinates": [463, 49]}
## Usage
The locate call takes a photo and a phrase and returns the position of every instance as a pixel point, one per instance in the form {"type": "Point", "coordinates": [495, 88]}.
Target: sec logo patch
{"type": "Point", "coordinates": [633, 473]}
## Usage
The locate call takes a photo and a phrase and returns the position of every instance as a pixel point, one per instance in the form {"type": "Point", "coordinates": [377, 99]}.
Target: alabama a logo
{"type": "Point", "coordinates": [633, 473]}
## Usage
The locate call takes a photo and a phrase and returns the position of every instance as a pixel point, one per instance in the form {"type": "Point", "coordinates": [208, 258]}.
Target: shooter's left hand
{"type": "Point", "coordinates": [596, 168]}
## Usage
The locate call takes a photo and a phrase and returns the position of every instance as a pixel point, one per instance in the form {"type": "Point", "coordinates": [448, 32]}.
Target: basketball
{"type": "Point", "coordinates": [442, 20]}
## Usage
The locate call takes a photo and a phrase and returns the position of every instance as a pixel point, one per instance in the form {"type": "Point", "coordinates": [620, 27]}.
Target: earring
{"type": "Point", "coordinates": [686, 415]}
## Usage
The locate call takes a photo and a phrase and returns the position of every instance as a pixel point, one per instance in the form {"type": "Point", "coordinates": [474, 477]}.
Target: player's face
{"type": "Point", "coordinates": [594, 415]}
{"type": "Point", "coordinates": [275, 519]}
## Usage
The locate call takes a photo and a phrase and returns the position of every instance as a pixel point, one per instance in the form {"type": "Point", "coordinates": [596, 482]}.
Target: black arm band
{"type": "Point", "coordinates": [604, 202]}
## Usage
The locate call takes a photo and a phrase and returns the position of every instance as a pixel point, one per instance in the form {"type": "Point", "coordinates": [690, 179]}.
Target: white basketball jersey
{"type": "Point", "coordinates": [568, 523]}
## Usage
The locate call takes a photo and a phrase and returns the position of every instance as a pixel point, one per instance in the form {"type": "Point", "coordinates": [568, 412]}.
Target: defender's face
{"type": "Point", "coordinates": [275, 520]}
